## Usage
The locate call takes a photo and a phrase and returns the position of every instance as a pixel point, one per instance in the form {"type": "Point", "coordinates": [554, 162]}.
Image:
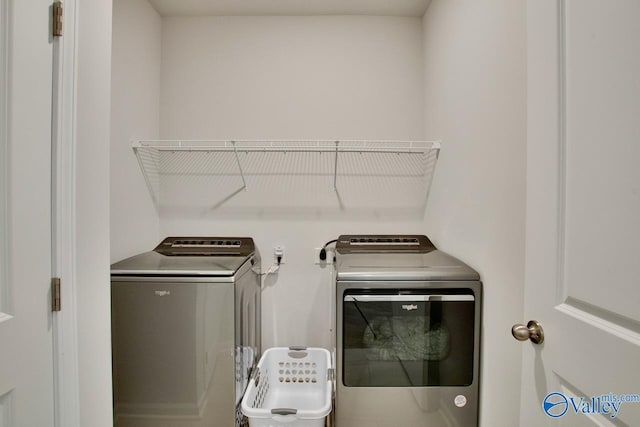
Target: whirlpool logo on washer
{"type": "Point", "coordinates": [409, 307]}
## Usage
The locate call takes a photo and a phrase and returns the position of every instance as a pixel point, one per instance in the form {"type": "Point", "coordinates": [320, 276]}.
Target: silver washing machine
{"type": "Point", "coordinates": [407, 335]}
{"type": "Point", "coordinates": [185, 332]}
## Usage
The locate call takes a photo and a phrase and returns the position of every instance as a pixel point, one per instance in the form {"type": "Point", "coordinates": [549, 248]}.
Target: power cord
{"type": "Point", "coordinates": [323, 251]}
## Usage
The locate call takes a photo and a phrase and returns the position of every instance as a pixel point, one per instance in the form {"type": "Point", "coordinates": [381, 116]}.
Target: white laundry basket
{"type": "Point", "coordinates": [291, 387]}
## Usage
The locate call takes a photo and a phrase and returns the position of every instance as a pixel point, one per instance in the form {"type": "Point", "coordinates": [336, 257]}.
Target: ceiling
{"type": "Point", "coordinates": [290, 7]}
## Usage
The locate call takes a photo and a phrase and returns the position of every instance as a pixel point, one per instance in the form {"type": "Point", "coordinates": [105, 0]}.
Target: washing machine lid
{"type": "Point", "coordinates": [189, 256]}
{"type": "Point", "coordinates": [414, 258]}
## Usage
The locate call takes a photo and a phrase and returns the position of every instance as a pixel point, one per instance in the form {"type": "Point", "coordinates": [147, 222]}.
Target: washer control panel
{"type": "Point", "coordinates": [206, 246]}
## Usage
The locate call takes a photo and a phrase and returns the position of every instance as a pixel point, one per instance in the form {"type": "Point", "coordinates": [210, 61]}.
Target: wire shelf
{"type": "Point", "coordinates": [159, 159]}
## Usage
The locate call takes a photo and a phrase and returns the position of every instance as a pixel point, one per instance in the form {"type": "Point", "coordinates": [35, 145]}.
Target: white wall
{"type": "Point", "coordinates": [475, 92]}
{"type": "Point", "coordinates": [92, 212]}
{"type": "Point", "coordinates": [135, 113]}
{"type": "Point", "coordinates": [290, 77]}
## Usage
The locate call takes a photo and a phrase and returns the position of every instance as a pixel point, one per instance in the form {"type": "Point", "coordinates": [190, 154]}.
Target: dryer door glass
{"type": "Point", "coordinates": [408, 338]}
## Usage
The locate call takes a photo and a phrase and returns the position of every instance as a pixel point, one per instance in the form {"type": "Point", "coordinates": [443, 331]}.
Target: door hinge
{"type": "Point", "coordinates": [57, 18]}
{"type": "Point", "coordinates": [56, 304]}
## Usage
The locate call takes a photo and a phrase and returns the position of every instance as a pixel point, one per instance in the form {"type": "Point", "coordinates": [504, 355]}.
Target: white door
{"type": "Point", "coordinates": [583, 213]}
{"type": "Point", "coordinates": [26, 363]}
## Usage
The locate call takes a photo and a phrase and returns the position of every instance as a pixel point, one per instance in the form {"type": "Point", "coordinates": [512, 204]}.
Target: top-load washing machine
{"type": "Point", "coordinates": [407, 334]}
{"type": "Point", "coordinates": [185, 332]}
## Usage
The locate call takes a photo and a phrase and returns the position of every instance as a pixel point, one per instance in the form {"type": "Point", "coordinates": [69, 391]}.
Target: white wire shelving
{"type": "Point", "coordinates": [159, 158]}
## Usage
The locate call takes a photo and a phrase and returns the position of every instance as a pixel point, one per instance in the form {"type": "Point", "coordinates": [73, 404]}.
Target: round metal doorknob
{"type": "Point", "coordinates": [533, 331]}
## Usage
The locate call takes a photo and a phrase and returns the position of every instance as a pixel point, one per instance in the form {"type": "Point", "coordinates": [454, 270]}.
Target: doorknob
{"type": "Point", "coordinates": [533, 331]}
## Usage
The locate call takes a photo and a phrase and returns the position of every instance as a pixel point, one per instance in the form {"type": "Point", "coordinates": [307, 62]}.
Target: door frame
{"type": "Point", "coordinates": [66, 392]}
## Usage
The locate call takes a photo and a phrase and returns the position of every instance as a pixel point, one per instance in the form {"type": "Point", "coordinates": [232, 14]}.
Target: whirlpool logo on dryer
{"type": "Point", "coordinates": [409, 307]}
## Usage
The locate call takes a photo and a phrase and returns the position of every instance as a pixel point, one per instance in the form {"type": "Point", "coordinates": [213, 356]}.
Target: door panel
{"type": "Point", "coordinates": [26, 374]}
{"type": "Point", "coordinates": [583, 201]}
{"type": "Point", "coordinates": [602, 131]}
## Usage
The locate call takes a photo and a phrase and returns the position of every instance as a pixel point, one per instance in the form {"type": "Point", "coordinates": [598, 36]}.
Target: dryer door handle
{"type": "Point", "coordinates": [405, 298]}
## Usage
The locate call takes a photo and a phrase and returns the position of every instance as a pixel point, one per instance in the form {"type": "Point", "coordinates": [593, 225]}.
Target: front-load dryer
{"type": "Point", "coordinates": [407, 334]}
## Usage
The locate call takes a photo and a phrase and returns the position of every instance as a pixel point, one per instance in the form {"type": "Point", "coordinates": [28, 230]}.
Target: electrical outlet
{"type": "Point", "coordinates": [278, 252]}
{"type": "Point", "coordinates": [316, 256]}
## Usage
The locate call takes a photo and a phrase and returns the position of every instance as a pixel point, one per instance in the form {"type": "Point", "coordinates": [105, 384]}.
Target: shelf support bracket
{"type": "Point", "coordinates": [155, 195]}
{"type": "Point", "coordinates": [235, 151]}
{"type": "Point", "coordinates": [335, 169]}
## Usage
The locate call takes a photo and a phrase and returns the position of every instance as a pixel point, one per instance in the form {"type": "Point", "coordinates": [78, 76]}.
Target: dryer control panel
{"type": "Point", "coordinates": [388, 243]}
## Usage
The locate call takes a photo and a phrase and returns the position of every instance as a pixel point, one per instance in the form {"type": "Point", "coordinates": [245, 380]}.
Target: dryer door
{"type": "Point", "coordinates": [408, 338]}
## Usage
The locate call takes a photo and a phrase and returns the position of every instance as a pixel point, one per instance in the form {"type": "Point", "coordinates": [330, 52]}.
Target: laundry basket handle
{"type": "Point", "coordinates": [284, 411]}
